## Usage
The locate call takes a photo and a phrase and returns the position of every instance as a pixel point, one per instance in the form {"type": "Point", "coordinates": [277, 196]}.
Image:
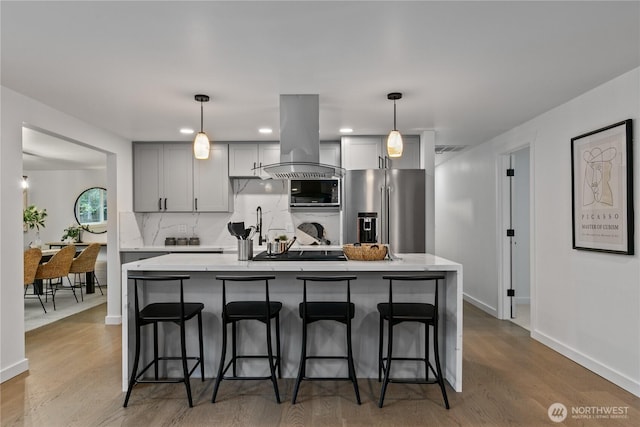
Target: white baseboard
{"type": "Point", "coordinates": [113, 320]}
{"type": "Point", "coordinates": [621, 380]}
{"type": "Point", "coordinates": [482, 306]}
{"type": "Point", "coordinates": [14, 370]}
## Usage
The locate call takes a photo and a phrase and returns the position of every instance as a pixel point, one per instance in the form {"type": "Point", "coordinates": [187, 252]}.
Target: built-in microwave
{"type": "Point", "coordinates": [318, 193]}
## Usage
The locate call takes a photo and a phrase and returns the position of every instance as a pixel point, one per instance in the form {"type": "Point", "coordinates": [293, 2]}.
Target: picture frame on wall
{"type": "Point", "coordinates": [602, 189]}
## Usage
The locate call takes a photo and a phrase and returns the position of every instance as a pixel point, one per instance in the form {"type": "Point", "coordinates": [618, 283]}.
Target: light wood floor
{"type": "Point", "coordinates": [509, 379]}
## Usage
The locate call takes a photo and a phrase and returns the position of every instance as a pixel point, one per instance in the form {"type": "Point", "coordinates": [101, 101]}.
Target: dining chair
{"type": "Point", "coordinates": [56, 268]}
{"type": "Point", "coordinates": [85, 263]}
{"type": "Point", "coordinates": [32, 259]}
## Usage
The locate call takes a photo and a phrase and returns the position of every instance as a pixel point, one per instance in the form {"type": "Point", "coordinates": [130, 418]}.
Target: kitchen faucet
{"type": "Point", "coordinates": [259, 225]}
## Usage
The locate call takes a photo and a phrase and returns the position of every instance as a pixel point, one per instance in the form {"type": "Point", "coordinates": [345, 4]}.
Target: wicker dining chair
{"type": "Point", "coordinates": [56, 268]}
{"type": "Point", "coordinates": [85, 263]}
{"type": "Point", "coordinates": [32, 259]}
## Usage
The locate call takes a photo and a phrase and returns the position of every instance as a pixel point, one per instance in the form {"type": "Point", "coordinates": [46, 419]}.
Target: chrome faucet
{"type": "Point", "coordinates": [259, 225]}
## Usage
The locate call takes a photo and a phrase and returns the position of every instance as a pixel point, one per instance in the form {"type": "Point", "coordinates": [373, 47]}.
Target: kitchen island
{"type": "Point", "coordinates": [368, 290]}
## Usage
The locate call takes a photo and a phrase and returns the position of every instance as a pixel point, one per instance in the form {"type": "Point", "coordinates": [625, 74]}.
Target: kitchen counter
{"type": "Point", "coordinates": [366, 291]}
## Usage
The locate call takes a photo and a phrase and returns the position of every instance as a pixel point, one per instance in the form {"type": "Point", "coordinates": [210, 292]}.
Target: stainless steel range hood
{"type": "Point", "coordinates": [300, 141]}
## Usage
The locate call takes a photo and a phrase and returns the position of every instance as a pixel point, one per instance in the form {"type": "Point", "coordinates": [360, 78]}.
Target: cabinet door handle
{"type": "Point", "coordinates": [160, 204]}
{"type": "Point", "coordinates": [196, 203]}
{"type": "Point", "coordinates": [379, 162]}
{"type": "Point", "coordinates": [254, 168]}
{"type": "Point", "coordinates": [387, 161]}
{"type": "Point", "coordinates": [165, 203]}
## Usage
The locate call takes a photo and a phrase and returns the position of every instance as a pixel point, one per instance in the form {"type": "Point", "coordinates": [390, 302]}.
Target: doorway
{"type": "Point", "coordinates": [516, 269]}
{"type": "Point", "coordinates": [56, 171]}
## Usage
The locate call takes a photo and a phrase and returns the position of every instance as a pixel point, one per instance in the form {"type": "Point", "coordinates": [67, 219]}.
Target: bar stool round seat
{"type": "Point", "coordinates": [165, 312]}
{"type": "Point", "coordinates": [339, 311]}
{"type": "Point", "coordinates": [235, 311]}
{"type": "Point", "coordinates": [395, 313]}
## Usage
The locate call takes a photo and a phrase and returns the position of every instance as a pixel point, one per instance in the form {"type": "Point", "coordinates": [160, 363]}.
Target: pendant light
{"type": "Point", "coordinates": [201, 142]}
{"type": "Point", "coordinates": [394, 141]}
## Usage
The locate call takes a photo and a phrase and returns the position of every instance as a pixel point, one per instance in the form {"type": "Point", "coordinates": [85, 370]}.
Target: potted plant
{"type": "Point", "coordinates": [34, 218]}
{"type": "Point", "coordinates": [73, 233]}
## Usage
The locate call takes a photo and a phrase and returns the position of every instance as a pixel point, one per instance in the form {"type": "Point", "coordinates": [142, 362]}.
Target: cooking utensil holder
{"type": "Point", "coordinates": [245, 249]}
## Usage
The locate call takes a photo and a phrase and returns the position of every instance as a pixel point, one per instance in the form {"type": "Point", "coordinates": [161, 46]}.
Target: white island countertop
{"type": "Point", "coordinates": [229, 262]}
{"type": "Point", "coordinates": [369, 289]}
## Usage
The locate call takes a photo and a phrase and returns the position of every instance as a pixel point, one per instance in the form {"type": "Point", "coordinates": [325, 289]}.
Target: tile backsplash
{"type": "Point", "coordinates": [248, 194]}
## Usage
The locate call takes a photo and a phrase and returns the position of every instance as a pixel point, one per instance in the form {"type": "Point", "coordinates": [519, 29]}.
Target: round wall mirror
{"type": "Point", "coordinates": [91, 209]}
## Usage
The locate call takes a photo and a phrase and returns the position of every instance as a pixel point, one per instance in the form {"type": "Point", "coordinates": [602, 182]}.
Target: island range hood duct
{"type": "Point", "coordinates": [300, 141]}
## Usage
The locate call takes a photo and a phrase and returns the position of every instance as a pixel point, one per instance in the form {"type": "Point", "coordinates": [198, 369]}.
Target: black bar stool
{"type": "Point", "coordinates": [235, 311]}
{"type": "Point", "coordinates": [163, 312]}
{"type": "Point", "coordinates": [339, 311]}
{"type": "Point", "coordinates": [398, 312]}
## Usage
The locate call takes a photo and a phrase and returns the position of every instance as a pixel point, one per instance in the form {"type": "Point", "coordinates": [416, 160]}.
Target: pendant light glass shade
{"type": "Point", "coordinates": [201, 143]}
{"type": "Point", "coordinates": [394, 140]}
{"type": "Point", "coordinates": [394, 144]}
{"type": "Point", "coordinates": [201, 146]}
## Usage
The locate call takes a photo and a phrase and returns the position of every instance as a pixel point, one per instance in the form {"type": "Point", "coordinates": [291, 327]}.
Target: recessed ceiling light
{"type": "Point", "coordinates": [265, 130]}
{"type": "Point", "coordinates": [186, 131]}
{"type": "Point", "coordinates": [346, 130]}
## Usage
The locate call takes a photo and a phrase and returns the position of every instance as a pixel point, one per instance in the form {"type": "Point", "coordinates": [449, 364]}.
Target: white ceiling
{"type": "Point", "coordinates": [42, 151]}
{"type": "Point", "coordinates": [468, 70]}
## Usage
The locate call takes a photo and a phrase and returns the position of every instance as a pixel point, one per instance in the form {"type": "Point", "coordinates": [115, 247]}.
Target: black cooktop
{"type": "Point", "coordinates": [300, 255]}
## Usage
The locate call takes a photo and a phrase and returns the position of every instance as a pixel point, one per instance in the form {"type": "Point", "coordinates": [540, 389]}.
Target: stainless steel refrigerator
{"type": "Point", "coordinates": [398, 198]}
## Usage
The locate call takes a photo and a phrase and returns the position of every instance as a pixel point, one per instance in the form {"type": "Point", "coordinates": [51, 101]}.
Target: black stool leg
{"type": "Point", "coordinates": [234, 354]}
{"type": "Point", "coordinates": [222, 357]}
{"type": "Point", "coordinates": [134, 369]}
{"type": "Point", "coordinates": [436, 352]}
{"type": "Point", "coordinates": [426, 351]}
{"type": "Point", "coordinates": [185, 368]}
{"type": "Point", "coordinates": [303, 362]}
{"type": "Point", "coordinates": [387, 369]}
{"type": "Point", "coordinates": [272, 365]}
{"type": "Point", "coordinates": [201, 346]}
{"type": "Point", "coordinates": [279, 358]}
{"type": "Point", "coordinates": [352, 368]}
{"type": "Point", "coordinates": [380, 339]}
{"type": "Point", "coordinates": [155, 349]}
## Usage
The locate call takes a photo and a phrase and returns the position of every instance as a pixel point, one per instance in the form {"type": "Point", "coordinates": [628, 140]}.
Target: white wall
{"type": "Point", "coordinates": [17, 110]}
{"type": "Point", "coordinates": [585, 304]}
{"type": "Point", "coordinates": [59, 200]}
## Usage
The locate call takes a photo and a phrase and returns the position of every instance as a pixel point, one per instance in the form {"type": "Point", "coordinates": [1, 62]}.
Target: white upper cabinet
{"type": "Point", "coordinates": [162, 177]}
{"type": "Point", "coordinates": [330, 153]}
{"type": "Point", "coordinates": [370, 152]}
{"type": "Point", "coordinates": [211, 185]}
{"type": "Point", "coordinates": [245, 158]}
{"type": "Point", "coordinates": [166, 178]}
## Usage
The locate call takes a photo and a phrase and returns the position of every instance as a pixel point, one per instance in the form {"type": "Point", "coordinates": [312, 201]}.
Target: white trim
{"type": "Point", "coordinates": [14, 370]}
{"type": "Point", "coordinates": [481, 305]}
{"type": "Point", "coordinates": [113, 320]}
{"type": "Point", "coordinates": [604, 371]}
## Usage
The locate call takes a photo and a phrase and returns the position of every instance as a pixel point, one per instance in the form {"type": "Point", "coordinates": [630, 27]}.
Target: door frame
{"type": "Point", "coordinates": [503, 223]}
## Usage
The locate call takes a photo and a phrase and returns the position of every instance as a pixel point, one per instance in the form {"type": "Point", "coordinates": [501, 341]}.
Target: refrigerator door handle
{"type": "Point", "coordinates": [388, 215]}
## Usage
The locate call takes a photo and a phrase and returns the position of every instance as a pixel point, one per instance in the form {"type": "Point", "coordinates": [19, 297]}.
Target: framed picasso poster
{"type": "Point", "coordinates": [602, 189]}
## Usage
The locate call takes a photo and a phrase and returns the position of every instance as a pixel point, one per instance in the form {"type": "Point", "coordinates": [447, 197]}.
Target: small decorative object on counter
{"type": "Point", "coordinates": [182, 241]}
{"type": "Point", "coordinates": [365, 251]}
{"type": "Point", "coordinates": [170, 241]}
{"type": "Point", "coordinates": [194, 241]}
